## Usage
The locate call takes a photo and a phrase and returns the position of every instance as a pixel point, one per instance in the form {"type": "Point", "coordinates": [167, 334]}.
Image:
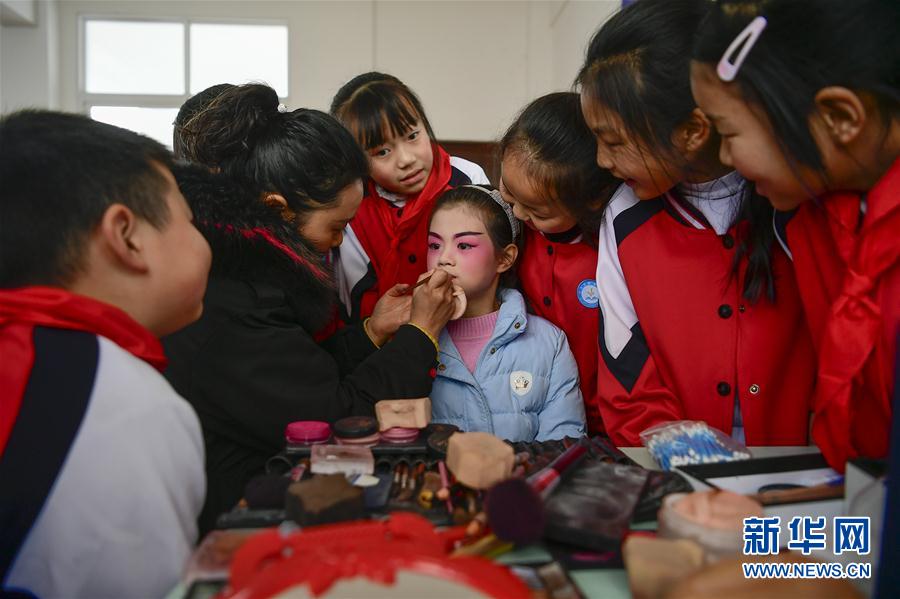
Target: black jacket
{"type": "Point", "coordinates": [250, 365]}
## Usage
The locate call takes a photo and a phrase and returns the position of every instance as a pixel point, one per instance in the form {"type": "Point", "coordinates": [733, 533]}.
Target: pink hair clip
{"type": "Point", "coordinates": [727, 69]}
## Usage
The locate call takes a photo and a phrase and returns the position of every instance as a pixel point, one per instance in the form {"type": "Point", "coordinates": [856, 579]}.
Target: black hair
{"type": "Point", "coordinates": [638, 66]}
{"type": "Point", "coordinates": [305, 155]}
{"type": "Point", "coordinates": [373, 105]}
{"type": "Point", "coordinates": [808, 45]}
{"type": "Point", "coordinates": [559, 152]}
{"type": "Point", "coordinates": [58, 175]}
{"type": "Point", "coordinates": [496, 221]}
{"type": "Point", "coordinates": [191, 108]}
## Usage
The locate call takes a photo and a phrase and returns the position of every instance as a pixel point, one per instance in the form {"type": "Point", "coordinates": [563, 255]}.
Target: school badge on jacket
{"type": "Point", "coordinates": [520, 381]}
{"type": "Point", "coordinates": [588, 294]}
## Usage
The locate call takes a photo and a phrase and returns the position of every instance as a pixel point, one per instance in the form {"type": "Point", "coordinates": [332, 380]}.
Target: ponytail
{"type": "Point", "coordinates": [231, 124]}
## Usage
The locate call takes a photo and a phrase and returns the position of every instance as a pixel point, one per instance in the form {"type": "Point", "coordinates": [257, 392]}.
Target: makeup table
{"type": "Point", "coordinates": [605, 583]}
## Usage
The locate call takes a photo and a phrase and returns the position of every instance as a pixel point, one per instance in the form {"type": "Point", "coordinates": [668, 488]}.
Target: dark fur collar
{"type": "Point", "coordinates": [252, 242]}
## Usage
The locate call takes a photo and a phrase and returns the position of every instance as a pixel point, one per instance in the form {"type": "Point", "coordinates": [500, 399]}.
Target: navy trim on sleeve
{"type": "Point", "coordinates": [632, 218]}
{"type": "Point", "coordinates": [628, 366]}
{"type": "Point", "coordinates": [457, 177]}
{"type": "Point", "coordinates": [54, 403]}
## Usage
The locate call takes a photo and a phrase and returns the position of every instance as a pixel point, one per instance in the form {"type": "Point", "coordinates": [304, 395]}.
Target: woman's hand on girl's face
{"type": "Point", "coordinates": [392, 310]}
{"type": "Point", "coordinates": [433, 303]}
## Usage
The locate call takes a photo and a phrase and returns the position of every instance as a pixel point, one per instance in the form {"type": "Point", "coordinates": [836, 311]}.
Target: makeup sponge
{"type": "Point", "coordinates": [459, 297]}
{"type": "Point", "coordinates": [479, 460]}
{"type": "Point", "coordinates": [403, 413]}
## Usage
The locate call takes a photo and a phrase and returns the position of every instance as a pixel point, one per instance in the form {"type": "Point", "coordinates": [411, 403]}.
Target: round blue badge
{"type": "Point", "coordinates": [588, 294]}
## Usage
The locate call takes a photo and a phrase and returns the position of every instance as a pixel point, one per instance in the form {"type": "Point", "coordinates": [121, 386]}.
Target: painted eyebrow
{"type": "Point", "coordinates": [465, 233]}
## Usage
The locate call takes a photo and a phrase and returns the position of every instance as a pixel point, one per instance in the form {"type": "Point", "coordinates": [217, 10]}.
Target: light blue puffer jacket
{"type": "Point", "coordinates": [525, 385]}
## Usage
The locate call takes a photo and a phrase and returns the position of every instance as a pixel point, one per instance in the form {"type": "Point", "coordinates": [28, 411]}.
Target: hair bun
{"type": "Point", "coordinates": [232, 122]}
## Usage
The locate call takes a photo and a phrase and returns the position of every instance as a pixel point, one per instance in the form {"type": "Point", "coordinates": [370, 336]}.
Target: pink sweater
{"type": "Point", "coordinates": [470, 335]}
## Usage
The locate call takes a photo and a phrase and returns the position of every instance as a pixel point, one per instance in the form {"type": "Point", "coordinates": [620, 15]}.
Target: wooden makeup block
{"type": "Point", "coordinates": [405, 413]}
{"type": "Point", "coordinates": [323, 499]}
{"type": "Point", "coordinates": [479, 460]}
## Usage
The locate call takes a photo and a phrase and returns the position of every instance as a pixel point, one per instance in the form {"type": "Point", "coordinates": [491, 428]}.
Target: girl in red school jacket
{"type": "Point", "coordinates": [700, 318]}
{"type": "Point", "coordinates": [551, 179]}
{"type": "Point", "coordinates": [386, 241]}
{"type": "Point", "coordinates": [827, 132]}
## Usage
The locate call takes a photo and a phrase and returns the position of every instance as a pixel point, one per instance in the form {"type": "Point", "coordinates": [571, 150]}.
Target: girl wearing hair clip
{"type": "Point", "coordinates": [806, 97]}
{"type": "Point", "coordinates": [700, 318]}
{"type": "Point", "coordinates": [500, 370]}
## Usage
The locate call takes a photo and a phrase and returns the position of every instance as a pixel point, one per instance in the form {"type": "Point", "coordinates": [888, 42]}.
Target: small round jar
{"type": "Point", "coordinates": [712, 519]}
{"type": "Point", "coordinates": [307, 432]}
{"type": "Point", "coordinates": [357, 430]}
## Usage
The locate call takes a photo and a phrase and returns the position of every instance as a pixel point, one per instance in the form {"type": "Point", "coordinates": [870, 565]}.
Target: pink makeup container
{"type": "Point", "coordinates": [399, 435]}
{"type": "Point", "coordinates": [307, 432]}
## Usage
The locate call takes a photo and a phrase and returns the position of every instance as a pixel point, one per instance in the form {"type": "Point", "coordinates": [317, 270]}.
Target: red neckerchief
{"type": "Point", "coordinates": [389, 241]}
{"type": "Point", "coordinates": [855, 322]}
{"type": "Point", "coordinates": [23, 309]}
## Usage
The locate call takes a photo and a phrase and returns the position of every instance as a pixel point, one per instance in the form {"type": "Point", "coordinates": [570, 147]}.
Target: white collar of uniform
{"type": "Point", "coordinates": [394, 198]}
{"type": "Point", "coordinates": [719, 200]}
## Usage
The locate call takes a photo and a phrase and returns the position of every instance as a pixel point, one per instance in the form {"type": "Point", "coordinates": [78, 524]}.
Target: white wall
{"type": "Point", "coordinates": [29, 59]}
{"type": "Point", "coordinates": [572, 29]}
{"type": "Point", "coordinates": [475, 64]}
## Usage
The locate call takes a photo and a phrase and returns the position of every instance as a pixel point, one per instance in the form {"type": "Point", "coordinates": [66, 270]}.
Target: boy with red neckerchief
{"type": "Point", "coordinates": [101, 461]}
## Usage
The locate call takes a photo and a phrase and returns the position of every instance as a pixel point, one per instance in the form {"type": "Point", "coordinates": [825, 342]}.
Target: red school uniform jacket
{"type": "Point", "coordinates": [387, 241]}
{"type": "Point", "coordinates": [847, 263]}
{"type": "Point", "coordinates": [677, 338]}
{"type": "Point", "coordinates": [557, 278]}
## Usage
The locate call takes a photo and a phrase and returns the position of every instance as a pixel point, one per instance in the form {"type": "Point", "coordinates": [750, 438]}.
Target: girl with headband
{"type": "Point", "coordinates": [500, 370]}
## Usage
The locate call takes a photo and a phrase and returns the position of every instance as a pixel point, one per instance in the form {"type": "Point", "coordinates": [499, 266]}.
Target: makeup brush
{"type": "Point", "coordinates": [515, 507]}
